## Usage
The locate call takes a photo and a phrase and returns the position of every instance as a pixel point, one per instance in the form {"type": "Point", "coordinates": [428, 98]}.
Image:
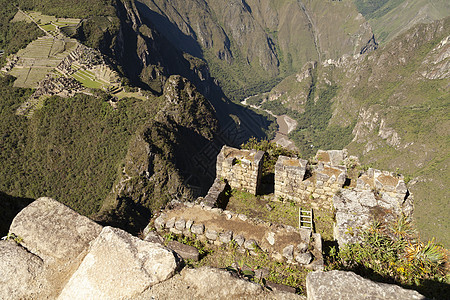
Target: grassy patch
{"type": "Point", "coordinates": [281, 212]}
{"type": "Point", "coordinates": [228, 255]}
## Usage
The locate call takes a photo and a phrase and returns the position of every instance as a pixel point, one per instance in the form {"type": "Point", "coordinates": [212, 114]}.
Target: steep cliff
{"type": "Point", "coordinates": [251, 45]}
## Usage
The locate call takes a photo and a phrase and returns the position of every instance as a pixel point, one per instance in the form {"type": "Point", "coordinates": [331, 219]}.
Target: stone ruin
{"type": "Point", "coordinates": [241, 168]}
{"type": "Point", "coordinates": [217, 226]}
{"type": "Point", "coordinates": [377, 195]}
{"type": "Point", "coordinates": [322, 182]}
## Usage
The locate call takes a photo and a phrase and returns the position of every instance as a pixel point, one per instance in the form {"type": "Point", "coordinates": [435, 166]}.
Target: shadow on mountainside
{"type": "Point", "coordinates": [10, 206]}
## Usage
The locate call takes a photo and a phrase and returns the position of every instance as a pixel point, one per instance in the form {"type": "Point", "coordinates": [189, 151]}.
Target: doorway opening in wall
{"type": "Point", "coordinates": [267, 185]}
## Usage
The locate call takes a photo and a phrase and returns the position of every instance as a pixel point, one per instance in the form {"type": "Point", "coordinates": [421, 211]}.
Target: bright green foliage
{"type": "Point", "coordinates": [392, 253]}
{"type": "Point", "coordinates": [273, 151]}
{"type": "Point", "coordinates": [313, 125]}
{"type": "Point", "coordinates": [14, 36]}
{"type": "Point", "coordinates": [70, 149]}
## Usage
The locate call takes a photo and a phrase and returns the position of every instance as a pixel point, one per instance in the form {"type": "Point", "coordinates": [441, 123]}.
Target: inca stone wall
{"type": "Point", "coordinates": [318, 189]}
{"type": "Point", "coordinates": [389, 186]}
{"type": "Point", "coordinates": [241, 168]}
{"type": "Point", "coordinates": [289, 175]}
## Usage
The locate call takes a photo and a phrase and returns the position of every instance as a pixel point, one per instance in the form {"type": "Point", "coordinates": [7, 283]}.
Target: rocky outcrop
{"type": "Point", "coordinates": [115, 264]}
{"type": "Point", "coordinates": [53, 231]}
{"type": "Point", "coordinates": [357, 209]}
{"type": "Point", "coordinates": [119, 266]}
{"type": "Point", "coordinates": [347, 285]}
{"type": "Point", "coordinates": [20, 272]}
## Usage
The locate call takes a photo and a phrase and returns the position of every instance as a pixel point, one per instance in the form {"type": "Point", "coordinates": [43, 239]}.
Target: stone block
{"type": "Point", "coordinates": [288, 252]}
{"type": "Point", "coordinates": [102, 275]}
{"type": "Point", "coordinates": [270, 237]}
{"type": "Point", "coordinates": [304, 258]}
{"type": "Point", "coordinates": [154, 237]}
{"type": "Point", "coordinates": [189, 224]}
{"type": "Point", "coordinates": [197, 228]}
{"type": "Point", "coordinates": [348, 286]}
{"type": "Point", "coordinates": [250, 244]}
{"type": "Point", "coordinates": [185, 251]}
{"type": "Point", "coordinates": [170, 223]}
{"type": "Point", "coordinates": [211, 234]}
{"type": "Point", "coordinates": [180, 224]}
{"type": "Point", "coordinates": [175, 231]}
{"type": "Point", "coordinates": [243, 217]}
{"type": "Point", "coordinates": [226, 237]}
{"type": "Point", "coordinates": [239, 239]}
{"type": "Point", "coordinates": [159, 222]}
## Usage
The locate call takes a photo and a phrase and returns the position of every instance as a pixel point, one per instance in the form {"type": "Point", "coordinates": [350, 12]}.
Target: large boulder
{"type": "Point", "coordinates": [347, 285]}
{"type": "Point", "coordinates": [57, 235]}
{"type": "Point", "coordinates": [119, 266]}
{"type": "Point", "coordinates": [53, 231]}
{"type": "Point", "coordinates": [20, 272]}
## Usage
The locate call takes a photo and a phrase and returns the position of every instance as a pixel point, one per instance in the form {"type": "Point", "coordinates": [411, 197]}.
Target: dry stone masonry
{"type": "Point", "coordinates": [378, 195]}
{"type": "Point", "coordinates": [217, 226]}
{"type": "Point", "coordinates": [241, 168]}
{"type": "Point", "coordinates": [324, 184]}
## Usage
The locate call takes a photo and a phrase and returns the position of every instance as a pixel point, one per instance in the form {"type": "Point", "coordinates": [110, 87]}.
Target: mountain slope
{"type": "Point", "coordinates": [251, 45]}
{"type": "Point", "coordinates": [390, 107]}
{"type": "Point", "coordinates": [389, 18]}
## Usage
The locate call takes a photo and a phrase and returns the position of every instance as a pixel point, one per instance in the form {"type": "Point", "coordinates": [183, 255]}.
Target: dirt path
{"type": "Point", "coordinates": [221, 223]}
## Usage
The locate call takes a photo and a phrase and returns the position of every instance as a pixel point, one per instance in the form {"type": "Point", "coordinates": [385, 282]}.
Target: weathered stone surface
{"type": "Point", "coordinates": [180, 224]}
{"type": "Point", "coordinates": [159, 222]}
{"type": "Point", "coordinates": [280, 287]}
{"type": "Point", "coordinates": [239, 239]}
{"type": "Point", "coordinates": [304, 258]}
{"type": "Point", "coordinates": [242, 217]}
{"type": "Point", "coordinates": [221, 283]}
{"type": "Point", "coordinates": [154, 237]}
{"type": "Point", "coordinates": [288, 252]}
{"type": "Point", "coordinates": [170, 223]}
{"type": "Point", "coordinates": [271, 238]}
{"type": "Point", "coordinates": [209, 283]}
{"type": "Point", "coordinates": [21, 272]}
{"type": "Point", "coordinates": [119, 266]}
{"type": "Point", "coordinates": [53, 231]}
{"type": "Point", "coordinates": [211, 234]}
{"type": "Point", "coordinates": [198, 228]}
{"type": "Point", "coordinates": [226, 237]}
{"type": "Point", "coordinates": [250, 244]}
{"type": "Point", "coordinates": [347, 285]}
{"type": "Point", "coordinates": [302, 247]}
{"type": "Point", "coordinates": [185, 251]}
{"type": "Point", "coordinates": [189, 224]}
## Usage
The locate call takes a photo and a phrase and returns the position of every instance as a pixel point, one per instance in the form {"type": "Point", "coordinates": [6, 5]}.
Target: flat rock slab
{"type": "Point", "coordinates": [53, 231]}
{"type": "Point", "coordinates": [211, 283]}
{"type": "Point", "coordinates": [20, 272]}
{"type": "Point", "coordinates": [347, 285]}
{"type": "Point", "coordinates": [119, 266]}
{"type": "Point", "coordinates": [185, 251]}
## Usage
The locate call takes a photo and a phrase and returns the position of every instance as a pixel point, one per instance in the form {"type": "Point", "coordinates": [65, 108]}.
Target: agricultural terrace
{"type": "Point", "coordinates": [38, 59]}
{"type": "Point", "coordinates": [49, 24]}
